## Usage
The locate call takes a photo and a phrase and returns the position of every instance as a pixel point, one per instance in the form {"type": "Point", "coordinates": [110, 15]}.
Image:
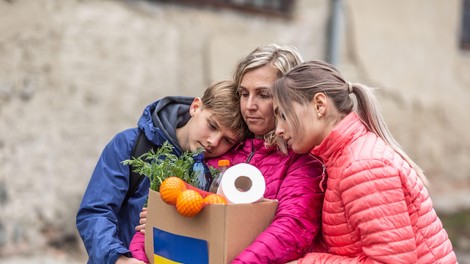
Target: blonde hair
{"type": "Point", "coordinates": [282, 58]}
{"type": "Point", "coordinates": [221, 99]}
{"type": "Point", "coordinates": [302, 83]}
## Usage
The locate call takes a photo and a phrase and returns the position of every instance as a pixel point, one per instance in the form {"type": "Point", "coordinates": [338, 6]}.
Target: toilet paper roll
{"type": "Point", "coordinates": [242, 183]}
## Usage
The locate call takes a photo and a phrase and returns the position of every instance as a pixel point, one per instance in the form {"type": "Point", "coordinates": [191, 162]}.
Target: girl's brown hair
{"type": "Point", "coordinates": [304, 81]}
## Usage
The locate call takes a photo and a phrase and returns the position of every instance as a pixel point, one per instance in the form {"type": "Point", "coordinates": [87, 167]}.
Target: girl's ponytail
{"type": "Point", "coordinates": [304, 81]}
{"type": "Point", "coordinates": [367, 110]}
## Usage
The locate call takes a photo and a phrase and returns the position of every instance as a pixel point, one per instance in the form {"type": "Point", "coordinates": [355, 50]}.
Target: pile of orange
{"type": "Point", "coordinates": [188, 200]}
{"type": "Point", "coordinates": [171, 188]}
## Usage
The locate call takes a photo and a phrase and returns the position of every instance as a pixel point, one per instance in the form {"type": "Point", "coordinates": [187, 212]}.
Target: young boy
{"type": "Point", "coordinates": [105, 220]}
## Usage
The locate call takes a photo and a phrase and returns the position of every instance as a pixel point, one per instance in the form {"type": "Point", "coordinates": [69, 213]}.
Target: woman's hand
{"type": "Point", "coordinates": [143, 219]}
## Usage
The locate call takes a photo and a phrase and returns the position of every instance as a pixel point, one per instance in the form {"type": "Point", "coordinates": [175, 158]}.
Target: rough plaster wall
{"type": "Point", "coordinates": [72, 77]}
{"type": "Point", "coordinates": [74, 73]}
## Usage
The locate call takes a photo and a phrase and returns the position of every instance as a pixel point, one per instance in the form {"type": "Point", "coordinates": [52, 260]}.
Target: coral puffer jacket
{"type": "Point", "coordinates": [294, 180]}
{"type": "Point", "coordinates": [376, 209]}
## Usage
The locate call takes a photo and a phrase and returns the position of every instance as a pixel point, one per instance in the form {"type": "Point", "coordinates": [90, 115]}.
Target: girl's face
{"type": "Point", "coordinates": [310, 132]}
{"type": "Point", "coordinates": [256, 99]}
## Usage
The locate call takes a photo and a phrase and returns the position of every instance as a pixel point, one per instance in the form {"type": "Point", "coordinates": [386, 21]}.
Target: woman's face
{"type": "Point", "coordinates": [256, 99]}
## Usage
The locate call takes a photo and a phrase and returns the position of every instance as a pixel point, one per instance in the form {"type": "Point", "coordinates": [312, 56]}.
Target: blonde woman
{"type": "Point", "coordinates": [295, 180]}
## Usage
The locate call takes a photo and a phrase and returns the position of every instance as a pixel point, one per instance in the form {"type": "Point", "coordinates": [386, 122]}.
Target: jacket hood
{"type": "Point", "coordinates": [161, 118]}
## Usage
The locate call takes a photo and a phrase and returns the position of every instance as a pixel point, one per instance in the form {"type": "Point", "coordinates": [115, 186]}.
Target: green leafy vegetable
{"type": "Point", "coordinates": [163, 163]}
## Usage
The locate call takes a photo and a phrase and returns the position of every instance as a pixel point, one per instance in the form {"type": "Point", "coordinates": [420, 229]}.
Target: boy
{"type": "Point", "coordinates": [105, 220]}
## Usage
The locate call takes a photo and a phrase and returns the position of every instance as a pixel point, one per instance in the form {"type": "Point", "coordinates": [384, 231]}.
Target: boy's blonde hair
{"type": "Point", "coordinates": [221, 99]}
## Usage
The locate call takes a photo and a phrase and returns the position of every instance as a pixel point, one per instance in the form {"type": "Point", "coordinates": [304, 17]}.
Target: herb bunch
{"type": "Point", "coordinates": [163, 163]}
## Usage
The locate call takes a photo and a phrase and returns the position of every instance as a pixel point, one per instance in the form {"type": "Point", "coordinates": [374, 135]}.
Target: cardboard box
{"type": "Point", "coordinates": [216, 235]}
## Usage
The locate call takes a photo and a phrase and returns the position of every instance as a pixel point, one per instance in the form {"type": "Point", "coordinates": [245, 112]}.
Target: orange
{"type": "Point", "coordinates": [189, 203]}
{"type": "Point", "coordinates": [171, 188]}
{"type": "Point", "coordinates": [214, 199]}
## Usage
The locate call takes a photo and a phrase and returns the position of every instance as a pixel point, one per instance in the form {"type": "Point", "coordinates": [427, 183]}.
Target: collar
{"type": "Point", "coordinates": [346, 131]}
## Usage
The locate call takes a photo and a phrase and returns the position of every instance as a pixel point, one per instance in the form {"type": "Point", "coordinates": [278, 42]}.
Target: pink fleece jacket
{"type": "Point", "coordinates": [297, 182]}
{"type": "Point", "coordinates": [376, 208]}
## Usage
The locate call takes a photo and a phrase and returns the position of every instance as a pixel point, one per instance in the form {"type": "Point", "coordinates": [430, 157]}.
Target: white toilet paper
{"type": "Point", "coordinates": [242, 183]}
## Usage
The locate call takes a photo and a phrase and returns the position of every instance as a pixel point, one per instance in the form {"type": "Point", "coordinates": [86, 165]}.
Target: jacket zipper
{"type": "Point", "coordinates": [248, 159]}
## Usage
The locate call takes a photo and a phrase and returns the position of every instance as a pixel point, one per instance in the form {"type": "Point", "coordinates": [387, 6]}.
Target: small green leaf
{"type": "Point", "coordinates": [163, 163]}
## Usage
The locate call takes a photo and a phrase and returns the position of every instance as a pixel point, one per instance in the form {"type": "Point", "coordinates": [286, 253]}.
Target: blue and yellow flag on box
{"type": "Point", "coordinates": [169, 248]}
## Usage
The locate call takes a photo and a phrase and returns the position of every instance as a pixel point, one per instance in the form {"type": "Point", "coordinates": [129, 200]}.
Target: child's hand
{"type": "Point", "coordinates": [126, 260]}
{"type": "Point", "coordinates": [143, 219]}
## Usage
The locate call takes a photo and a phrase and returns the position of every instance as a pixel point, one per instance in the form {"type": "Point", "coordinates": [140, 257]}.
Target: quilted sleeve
{"type": "Point", "coordinates": [297, 220]}
{"type": "Point", "coordinates": [375, 206]}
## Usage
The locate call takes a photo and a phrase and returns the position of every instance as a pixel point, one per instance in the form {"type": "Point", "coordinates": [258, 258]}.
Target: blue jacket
{"type": "Point", "coordinates": [105, 222]}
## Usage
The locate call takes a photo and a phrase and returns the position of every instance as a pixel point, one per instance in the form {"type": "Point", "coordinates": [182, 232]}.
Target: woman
{"type": "Point", "coordinates": [294, 180]}
{"type": "Point", "coordinates": [376, 207]}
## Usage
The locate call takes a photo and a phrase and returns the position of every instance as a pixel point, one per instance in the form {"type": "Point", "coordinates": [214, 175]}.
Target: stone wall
{"type": "Point", "coordinates": [74, 73]}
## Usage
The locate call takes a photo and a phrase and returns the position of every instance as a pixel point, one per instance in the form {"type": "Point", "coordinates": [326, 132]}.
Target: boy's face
{"type": "Point", "coordinates": [204, 130]}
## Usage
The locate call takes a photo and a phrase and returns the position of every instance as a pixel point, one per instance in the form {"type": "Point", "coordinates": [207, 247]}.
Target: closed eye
{"type": "Point", "coordinates": [211, 125]}
{"type": "Point", "coordinates": [230, 141]}
{"type": "Point", "coordinates": [242, 92]}
{"type": "Point", "coordinates": [278, 114]}
{"type": "Point", "coordinates": [265, 95]}
{"type": "Point", "coordinates": [276, 111]}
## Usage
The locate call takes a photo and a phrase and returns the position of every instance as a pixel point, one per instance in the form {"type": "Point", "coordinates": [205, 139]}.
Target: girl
{"type": "Point", "coordinates": [376, 207]}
